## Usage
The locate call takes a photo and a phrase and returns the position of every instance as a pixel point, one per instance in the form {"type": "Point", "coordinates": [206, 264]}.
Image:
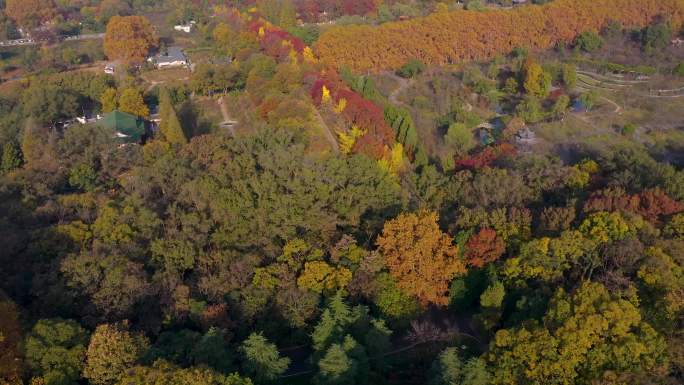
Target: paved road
{"type": "Point", "coordinates": [88, 36]}
{"type": "Point", "coordinates": [28, 41]}
{"type": "Point", "coordinates": [17, 42]}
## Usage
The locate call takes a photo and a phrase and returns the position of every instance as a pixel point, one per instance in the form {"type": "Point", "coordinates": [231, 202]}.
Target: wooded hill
{"type": "Point", "coordinates": [451, 37]}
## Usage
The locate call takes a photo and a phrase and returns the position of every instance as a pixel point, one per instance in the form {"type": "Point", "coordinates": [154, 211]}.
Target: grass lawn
{"type": "Point", "coordinates": [166, 75]}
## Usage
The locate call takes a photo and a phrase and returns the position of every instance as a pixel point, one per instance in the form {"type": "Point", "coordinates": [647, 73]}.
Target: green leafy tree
{"type": "Point", "coordinates": [656, 36]}
{"type": "Point", "coordinates": [11, 157]}
{"type": "Point", "coordinates": [392, 301]}
{"type": "Point", "coordinates": [589, 41]}
{"type": "Point", "coordinates": [675, 228]}
{"type": "Point", "coordinates": [49, 103]}
{"type": "Point", "coordinates": [163, 373]}
{"type": "Point", "coordinates": [537, 82]}
{"type": "Point", "coordinates": [583, 336]}
{"type": "Point", "coordinates": [569, 75]}
{"type": "Point", "coordinates": [113, 283]}
{"type": "Point", "coordinates": [560, 108]}
{"type": "Point", "coordinates": [511, 86]}
{"type": "Point", "coordinates": [460, 138]}
{"type": "Point", "coordinates": [549, 258]}
{"type": "Point", "coordinates": [411, 69]}
{"type": "Point", "coordinates": [628, 129]}
{"type": "Point", "coordinates": [211, 350]}
{"type": "Point", "coordinates": [679, 69]}
{"type": "Point", "coordinates": [491, 301]}
{"type": "Point", "coordinates": [493, 296]}
{"type": "Point", "coordinates": [604, 227]}
{"type": "Point", "coordinates": [83, 176]}
{"type": "Point", "coordinates": [336, 366]}
{"type": "Point", "coordinates": [279, 191]}
{"type": "Point", "coordinates": [55, 351]}
{"type": "Point", "coordinates": [262, 360]}
{"type": "Point", "coordinates": [112, 350]}
{"type": "Point", "coordinates": [589, 99]}
{"type": "Point", "coordinates": [530, 110]}
{"type": "Point", "coordinates": [448, 369]}
{"type": "Point", "coordinates": [170, 126]}
{"type": "Point", "coordinates": [663, 280]}
{"type": "Point", "coordinates": [339, 355]}
{"type": "Point", "coordinates": [334, 322]}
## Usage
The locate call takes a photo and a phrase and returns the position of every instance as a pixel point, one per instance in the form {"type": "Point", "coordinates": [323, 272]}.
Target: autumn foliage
{"type": "Point", "coordinates": [486, 157]}
{"type": "Point", "coordinates": [31, 13]}
{"type": "Point", "coordinates": [129, 38]}
{"type": "Point", "coordinates": [650, 204]}
{"type": "Point", "coordinates": [311, 10]}
{"type": "Point", "coordinates": [451, 37]}
{"type": "Point", "coordinates": [483, 248]}
{"type": "Point", "coordinates": [421, 258]}
{"type": "Point", "coordinates": [274, 41]}
{"type": "Point", "coordinates": [378, 135]}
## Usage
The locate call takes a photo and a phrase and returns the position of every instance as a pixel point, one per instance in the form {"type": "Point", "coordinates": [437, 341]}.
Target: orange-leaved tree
{"type": "Point", "coordinates": [484, 247]}
{"type": "Point", "coordinates": [421, 258]}
{"type": "Point", "coordinates": [451, 37]}
{"type": "Point", "coordinates": [129, 38]}
{"type": "Point", "coordinates": [31, 13]}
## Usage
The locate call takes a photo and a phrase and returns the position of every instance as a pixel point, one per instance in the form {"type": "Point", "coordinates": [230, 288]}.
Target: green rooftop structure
{"type": "Point", "coordinates": [129, 128]}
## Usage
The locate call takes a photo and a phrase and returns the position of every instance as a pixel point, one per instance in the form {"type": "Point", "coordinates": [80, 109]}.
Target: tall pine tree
{"type": "Point", "coordinates": [11, 157]}
{"type": "Point", "coordinates": [170, 127]}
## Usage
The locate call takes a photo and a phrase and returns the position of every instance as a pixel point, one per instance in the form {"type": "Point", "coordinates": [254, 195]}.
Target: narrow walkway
{"type": "Point", "coordinates": [327, 131]}
{"type": "Point", "coordinates": [227, 122]}
{"type": "Point", "coordinates": [594, 81]}
{"type": "Point", "coordinates": [618, 109]}
{"type": "Point", "coordinates": [403, 85]}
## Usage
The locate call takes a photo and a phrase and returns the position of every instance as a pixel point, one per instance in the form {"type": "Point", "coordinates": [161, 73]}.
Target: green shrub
{"type": "Point", "coordinates": [589, 41]}
{"type": "Point", "coordinates": [629, 129]}
{"type": "Point", "coordinates": [679, 69]}
{"type": "Point", "coordinates": [411, 68]}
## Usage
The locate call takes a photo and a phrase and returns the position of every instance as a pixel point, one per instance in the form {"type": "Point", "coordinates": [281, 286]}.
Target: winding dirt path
{"type": "Point", "coordinates": [403, 85]}
{"type": "Point", "coordinates": [327, 131]}
{"type": "Point", "coordinates": [618, 109]}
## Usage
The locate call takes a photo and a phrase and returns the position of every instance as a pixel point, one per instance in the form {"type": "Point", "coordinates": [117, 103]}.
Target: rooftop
{"type": "Point", "coordinates": [128, 127]}
{"type": "Point", "coordinates": [172, 54]}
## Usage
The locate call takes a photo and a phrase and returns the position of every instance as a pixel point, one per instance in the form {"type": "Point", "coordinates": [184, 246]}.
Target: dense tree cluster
{"type": "Point", "coordinates": [31, 13]}
{"type": "Point", "coordinates": [377, 137]}
{"type": "Point", "coordinates": [259, 254]}
{"type": "Point", "coordinates": [451, 37]}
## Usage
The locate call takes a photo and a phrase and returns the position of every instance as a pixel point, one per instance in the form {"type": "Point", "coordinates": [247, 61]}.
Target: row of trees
{"type": "Point", "coordinates": [452, 37]}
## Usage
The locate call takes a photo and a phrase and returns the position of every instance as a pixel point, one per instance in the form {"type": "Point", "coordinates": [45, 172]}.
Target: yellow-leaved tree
{"type": "Point", "coordinates": [132, 102]}
{"type": "Point", "coordinates": [420, 257]}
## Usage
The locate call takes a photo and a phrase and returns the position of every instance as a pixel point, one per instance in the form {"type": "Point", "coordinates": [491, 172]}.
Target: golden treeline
{"type": "Point", "coordinates": [452, 37]}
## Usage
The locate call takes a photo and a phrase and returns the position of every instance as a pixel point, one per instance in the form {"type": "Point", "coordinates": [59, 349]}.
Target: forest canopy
{"type": "Point", "coordinates": [452, 37]}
